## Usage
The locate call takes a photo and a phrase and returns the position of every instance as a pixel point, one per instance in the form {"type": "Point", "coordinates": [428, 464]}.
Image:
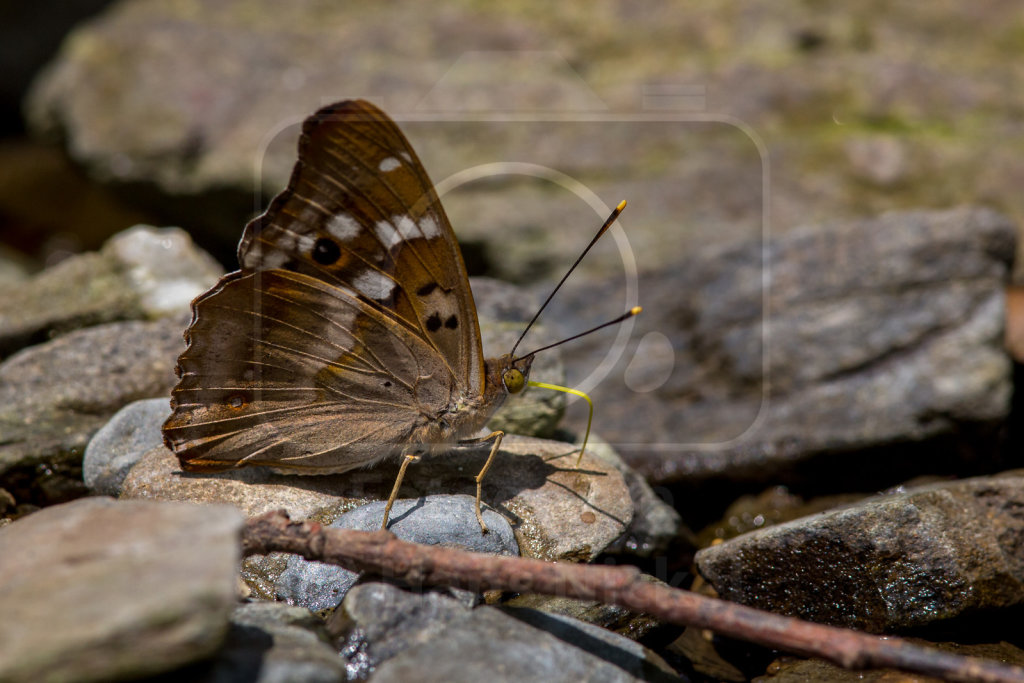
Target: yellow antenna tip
{"type": "Point", "coordinates": [621, 206]}
{"type": "Point", "coordinates": [636, 310]}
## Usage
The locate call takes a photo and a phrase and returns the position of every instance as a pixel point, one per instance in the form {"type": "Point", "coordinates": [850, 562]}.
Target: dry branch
{"type": "Point", "coordinates": [379, 552]}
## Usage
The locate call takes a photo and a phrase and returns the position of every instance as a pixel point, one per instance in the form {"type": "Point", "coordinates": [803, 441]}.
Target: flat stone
{"type": "Point", "coordinates": [99, 589]}
{"type": "Point", "coordinates": [140, 273]}
{"type": "Point", "coordinates": [884, 330]}
{"type": "Point", "coordinates": [402, 635]}
{"type": "Point", "coordinates": [434, 520]}
{"type": "Point", "coordinates": [890, 562]}
{"type": "Point", "coordinates": [55, 396]}
{"type": "Point", "coordinates": [557, 511]}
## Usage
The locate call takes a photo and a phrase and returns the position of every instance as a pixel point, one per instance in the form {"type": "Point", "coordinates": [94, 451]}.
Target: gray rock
{"type": "Point", "coordinates": [119, 444]}
{"type": "Point", "coordinates": [273, 643]}
{"type": "Point", "coordinates": [891, 562]}
{"type": "Point", "coordinates": [557, 512]}
{"type": "Point", "coordinates": [655, 524]}
{"type": "Point", "coordinates": [399, 635]}
{"type": "Point", "coordinates": [881, 331]}
{"type": "Point", "coordinates": [378, 620]}
{"type": "Point", "coordinates": [610, 617]}
{"type": "Point", "coordinates": [141, 273]}
{"type": "Point", "coordinates": [55, 396]}
{"type": "Point", "coordinates": [102, 590]}
{"type": "Point", "coordinates": [434, 520]}
{"type": "Point", "coordinates": [880, 160]}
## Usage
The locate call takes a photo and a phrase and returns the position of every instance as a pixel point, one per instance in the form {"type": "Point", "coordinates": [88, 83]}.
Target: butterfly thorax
{"type": "Point", "coordinates": [468, 413]}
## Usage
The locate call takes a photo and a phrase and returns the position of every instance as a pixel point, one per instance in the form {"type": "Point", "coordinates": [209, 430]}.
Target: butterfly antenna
{"type": "Point", "coordinates": [628, 314]}
{"type": "Point", "coordinates": [604, 228]}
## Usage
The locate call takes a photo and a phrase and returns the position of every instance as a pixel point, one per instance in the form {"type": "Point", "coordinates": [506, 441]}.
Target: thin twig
{"type": "Point", "coordinates": [379, 552]}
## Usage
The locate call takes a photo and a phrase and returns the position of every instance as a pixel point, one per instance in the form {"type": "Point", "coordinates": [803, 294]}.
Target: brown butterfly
{"type": "Point", "coordinates": [349, 335]}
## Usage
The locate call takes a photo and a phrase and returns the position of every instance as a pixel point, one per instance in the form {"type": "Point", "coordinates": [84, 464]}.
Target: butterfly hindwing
{"type": "Point", "coordinates": [312, 378]}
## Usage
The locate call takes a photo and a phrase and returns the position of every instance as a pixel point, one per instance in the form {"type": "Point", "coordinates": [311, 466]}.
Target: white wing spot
{"type": "Point", "coordinates": [273, 259]}
{"type": "Point", "coordinates": [374, 284]}
{"type": "Point", "coordinates": [387, 233]}
{"type": "Point", "coordinates": [305, 244]}
{"type": "Point", "coordinates": [406, 226]}
{"type": "Point", "coordinates": [405, 155]}
{"type": "Point", "coordinates": [389, 164]}
{"type": "Point", "coordinates": [428, 226]}
{"type": "Point", "coordinates": [343, 226]}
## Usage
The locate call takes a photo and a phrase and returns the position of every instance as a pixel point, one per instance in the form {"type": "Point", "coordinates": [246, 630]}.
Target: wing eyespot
{"type": "Point", "coordinates": [326, 252]}
{"type": "Point", "coordinates": [434, 322]}
{"type": "Point", "coordinates": [452, 322]}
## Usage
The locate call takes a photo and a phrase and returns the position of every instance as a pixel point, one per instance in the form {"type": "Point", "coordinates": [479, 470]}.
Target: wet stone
{"type": "Point", "coordinates": [891, 562]}
{"type": "Point", "coordinates": [401, 635]}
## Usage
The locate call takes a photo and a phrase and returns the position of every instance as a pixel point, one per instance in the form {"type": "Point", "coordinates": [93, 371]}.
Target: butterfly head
{"type": "Point", "coordinates": [506, 375]}
{"type": "Point", "coordinates": [515, 374]}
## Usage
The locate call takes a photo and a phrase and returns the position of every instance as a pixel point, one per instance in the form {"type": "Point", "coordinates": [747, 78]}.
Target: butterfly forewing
{"type": "Point", "coordinates": [361, 213]}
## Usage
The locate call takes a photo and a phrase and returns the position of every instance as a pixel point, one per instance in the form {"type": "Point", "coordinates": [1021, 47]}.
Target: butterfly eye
{"type": "Point", "coordinates": [514, 381]}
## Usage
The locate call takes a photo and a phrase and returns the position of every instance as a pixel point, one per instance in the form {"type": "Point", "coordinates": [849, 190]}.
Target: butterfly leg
{"type": "Point", "coordinates": [410, 457]}
{"type": "Point", "coordinates": [496, 438]}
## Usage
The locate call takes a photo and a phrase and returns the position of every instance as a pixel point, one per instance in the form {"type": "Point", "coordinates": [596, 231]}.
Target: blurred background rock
{"type": "Point", "coordinates": [173, 112]}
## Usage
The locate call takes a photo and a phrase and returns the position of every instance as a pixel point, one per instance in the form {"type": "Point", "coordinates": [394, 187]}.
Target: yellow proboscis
{"type": "Point", "coordinates": [574, 392]}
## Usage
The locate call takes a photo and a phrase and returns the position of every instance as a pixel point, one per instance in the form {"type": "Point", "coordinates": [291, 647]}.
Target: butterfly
{"type": "Point", "coordinates": [349, 334]}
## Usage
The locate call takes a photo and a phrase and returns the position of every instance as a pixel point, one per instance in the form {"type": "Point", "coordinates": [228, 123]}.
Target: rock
{"type": "Point", "coordinates": [557, 513]}
{"type": "Point", "coordinates": [655, 524]}
{"type": "Point", "coordinates": [400, 635]}
{"type": "Point", "coordinates": [151, 94]}
{"type": "Point", "coordinates": [273, 643]}
{"type": "Point", "coordinates": [772, 506]}
{"type": "Point", "coordinates": [102, 590]}
{"type": "Point", "coordinates": [435, 520]}
{"type": "Point", "coordinates": [880, 160]}
{"type": "Point", "coordinates": [789, 669]}
{"type": "Point", "coordinates": [119, 444]}
{"type": "Point", "coordinates": [55, 396]}
{"type": "Point", "coordinates": [888, 563]}
{"type": "Point", "coordinates": [13, 270]}
{"type": "Point", "coordinates": [141, 273]}
{"type": "Point", "coordinates": [611, 617]}
{"type": "Point", "coordinates": [882, 331]}
{"type": "Point", "coordinates": [378, 620]}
